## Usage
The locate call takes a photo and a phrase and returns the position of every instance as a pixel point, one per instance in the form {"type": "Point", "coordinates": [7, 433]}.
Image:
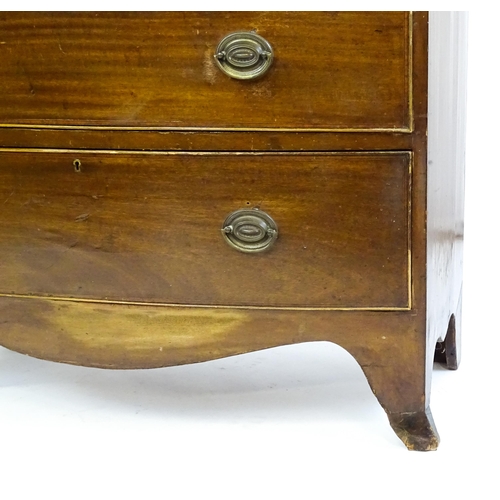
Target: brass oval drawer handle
{"type": "Point", "coordinates": [250, 231]}
{"type": "Point", "coordinates": [244, 55]}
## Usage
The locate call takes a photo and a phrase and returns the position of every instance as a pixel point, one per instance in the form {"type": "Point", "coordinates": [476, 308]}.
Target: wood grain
{"type": "Point", "coordinates": [146, 227]}
{"type": "Point", "coordinates": [116, 336]}
{"type": "Point", "coordinates": [122, 264]}
{"type": "Point", "coordinates": [154, 140]}
{"type": "Point", "coordinates": [332, 70]}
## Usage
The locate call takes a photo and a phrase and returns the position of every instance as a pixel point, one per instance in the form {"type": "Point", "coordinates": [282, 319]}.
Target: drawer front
{"type": "Point", "coordinates": [147, 228]}
{"type": "Point", "coordinates": [331, 71]}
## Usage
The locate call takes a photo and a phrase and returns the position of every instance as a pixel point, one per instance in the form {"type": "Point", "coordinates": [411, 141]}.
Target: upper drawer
{"type": "Point", "coordinates": [333, 71]}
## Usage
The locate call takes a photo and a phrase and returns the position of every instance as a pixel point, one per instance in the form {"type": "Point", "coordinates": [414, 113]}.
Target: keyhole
{"type": "Point", "coordinates": [78, 166]}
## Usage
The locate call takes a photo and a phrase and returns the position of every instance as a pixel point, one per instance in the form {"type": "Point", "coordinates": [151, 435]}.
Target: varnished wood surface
{"type": "Point", "coordinates": [203, 140]}
{"type": "Point", "coordinates": [146, 227]}
{"type": "Point", "coordinates": [332, 70]}
{"type": "Point", "coordinates": [60, 230]}
{"type": "Point", "coordinates": [116, 336]}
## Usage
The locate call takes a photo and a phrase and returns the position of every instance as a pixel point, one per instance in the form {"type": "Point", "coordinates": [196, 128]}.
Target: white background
{"type": "Point", "coordinates": [293, 422]}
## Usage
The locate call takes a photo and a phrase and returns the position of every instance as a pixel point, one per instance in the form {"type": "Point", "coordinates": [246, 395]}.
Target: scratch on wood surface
{"type": "Point", "coordinates": [82, 217]}
{"type": "Point", "coordinates": [261, 89]}
{"type": "Point", "coordinates": [7, 199]}
{"type": "Point", "coordinates": [209, 69]}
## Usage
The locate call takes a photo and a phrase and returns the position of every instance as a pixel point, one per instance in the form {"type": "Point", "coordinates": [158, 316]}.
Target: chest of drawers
{"type": "Point", "coordinates": [179, 187]}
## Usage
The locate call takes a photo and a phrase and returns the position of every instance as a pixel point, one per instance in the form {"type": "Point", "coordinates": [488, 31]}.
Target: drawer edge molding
{"type": "Point", "coordinates": [198, 306]}
{"type": "Point", "coordinates": [403, 130]}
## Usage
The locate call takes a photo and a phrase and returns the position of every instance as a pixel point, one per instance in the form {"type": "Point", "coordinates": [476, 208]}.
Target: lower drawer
{"type": "Point", "coordinates": [146, 227]}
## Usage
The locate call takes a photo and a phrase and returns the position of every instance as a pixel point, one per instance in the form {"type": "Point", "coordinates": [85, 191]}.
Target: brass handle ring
{"type": "Point", "coordinates": [244, 55]}
{"type": "Point", "coordinates": [250, 231]}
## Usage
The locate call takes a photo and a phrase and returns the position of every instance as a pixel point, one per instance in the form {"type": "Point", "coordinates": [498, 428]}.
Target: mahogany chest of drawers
{"type": "Point", "coordinates": [179, 187]}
